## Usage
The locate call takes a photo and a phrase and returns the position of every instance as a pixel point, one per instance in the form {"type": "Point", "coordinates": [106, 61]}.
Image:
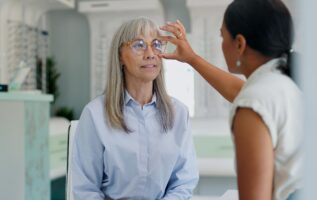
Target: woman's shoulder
{"type": "Point", "coordinates": [178, 105]}
{"type": "Point", "coordinates": [93, 111]}
{"type": "Point", "coordinates": [269, 94]}
{"type": "Point", "coordinates": [96, 103]}
{"type": "Point", "coordinates": [273, 85]}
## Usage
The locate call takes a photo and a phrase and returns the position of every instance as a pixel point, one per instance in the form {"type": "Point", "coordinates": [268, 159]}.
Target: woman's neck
{"type": "Point", "coordinates": [141, 92]}
{"type": "Point", "coordinates": [253, 61]}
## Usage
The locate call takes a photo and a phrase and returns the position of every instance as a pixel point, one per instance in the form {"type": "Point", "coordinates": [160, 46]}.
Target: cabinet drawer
{"type": "Point", "coordinates": [214, 146]}
{"type": "Point", "coordinates": [58, 143]}
{"type": "Point", "coordinates": [58, 159]}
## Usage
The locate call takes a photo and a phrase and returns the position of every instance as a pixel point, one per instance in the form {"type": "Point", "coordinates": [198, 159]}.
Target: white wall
{"type": "Point", "coordinates": [70, 46]}
{"type": "Point", "coordinates": [308, 72]}
{"type": "Point", "coordinates": [30, 12]}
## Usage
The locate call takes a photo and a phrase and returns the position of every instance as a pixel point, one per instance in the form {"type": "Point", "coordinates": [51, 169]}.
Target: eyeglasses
{"type": "Point", "coordinates": [139, 46]}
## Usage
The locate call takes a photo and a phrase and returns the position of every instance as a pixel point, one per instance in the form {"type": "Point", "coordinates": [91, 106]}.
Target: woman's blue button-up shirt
{"type": "Point", "coordinates": [147, 163]}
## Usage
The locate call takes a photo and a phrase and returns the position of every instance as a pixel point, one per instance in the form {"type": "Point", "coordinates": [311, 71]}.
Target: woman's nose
{"type": "Point", "coordinates": [148, 53]}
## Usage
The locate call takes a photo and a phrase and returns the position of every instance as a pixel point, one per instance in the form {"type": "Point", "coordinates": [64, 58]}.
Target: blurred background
{"type": "Point", "coordinates": [53, 57]}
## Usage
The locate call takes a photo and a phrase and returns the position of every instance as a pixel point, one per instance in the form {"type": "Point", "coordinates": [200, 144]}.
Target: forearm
{"type": "Point", "coordinates": [224, 82]}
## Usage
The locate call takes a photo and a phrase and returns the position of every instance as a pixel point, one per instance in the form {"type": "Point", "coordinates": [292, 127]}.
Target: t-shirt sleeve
{"type": "Point", "coordinates": [262, 110]}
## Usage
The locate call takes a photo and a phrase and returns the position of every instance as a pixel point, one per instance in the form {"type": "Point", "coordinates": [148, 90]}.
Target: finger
{"type": "Point", "coordinates": [171, 28]}
{"type": "Point", "coordinates": [178, 26]}
{"type": "Point", "coordinates": [182, 27]}
{"type": "Point", "coordinates": [168, 55]}
{"type": "Point", "coordinates": [169, 39]}
{"type": "Point", "coordinates": [180, 31]}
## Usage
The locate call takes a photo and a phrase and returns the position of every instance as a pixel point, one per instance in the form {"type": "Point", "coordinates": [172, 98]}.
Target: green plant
{"type": "Point", "coordinates": [66, 112]}
{"type": "Point", "coordinates": [52, 75]}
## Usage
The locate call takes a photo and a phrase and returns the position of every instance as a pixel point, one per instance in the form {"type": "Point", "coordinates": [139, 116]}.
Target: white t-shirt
{"type": "Point", "coordinates": [277, 99]}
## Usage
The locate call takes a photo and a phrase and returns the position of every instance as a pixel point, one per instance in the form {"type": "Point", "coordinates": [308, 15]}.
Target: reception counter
{"type": "Point", "coordinates": [24, 149]}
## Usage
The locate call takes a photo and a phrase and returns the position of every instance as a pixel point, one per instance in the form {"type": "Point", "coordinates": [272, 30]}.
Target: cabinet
{"type": "Point", "coordinates": [24, 146]}
{"type": "Point", "coordinates": [68, 3]}
{"type": "Point", "coordinates": [58, 141]}
{"type": "Point", "coordinates": [21, 32]}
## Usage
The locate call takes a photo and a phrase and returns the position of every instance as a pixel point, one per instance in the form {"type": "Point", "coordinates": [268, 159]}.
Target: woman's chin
{"type": "Point", "coordinates": [149, 78]}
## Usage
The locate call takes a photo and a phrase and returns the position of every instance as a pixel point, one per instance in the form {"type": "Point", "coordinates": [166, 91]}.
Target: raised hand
{"type": "Point", "coordinates": [183, 51]}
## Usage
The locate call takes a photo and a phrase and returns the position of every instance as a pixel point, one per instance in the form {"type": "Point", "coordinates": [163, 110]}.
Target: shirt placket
{"type": "Point", "coordinates": [143, 149]}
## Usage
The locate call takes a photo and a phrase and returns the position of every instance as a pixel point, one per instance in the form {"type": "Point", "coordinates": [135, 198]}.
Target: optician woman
{"type": "Point", "coordinates": [134, 142]}
{"type": "Point", "coordinates": [266, 112]}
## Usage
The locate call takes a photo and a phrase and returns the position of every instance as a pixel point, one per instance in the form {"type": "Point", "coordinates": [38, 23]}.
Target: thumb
{"type": "Point", "coordinates": [168, 55]}
{"type": "Point", "coordinates": [168, 39]}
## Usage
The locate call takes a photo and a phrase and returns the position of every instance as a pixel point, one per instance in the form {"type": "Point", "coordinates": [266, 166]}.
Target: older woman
{"type": "Point", "coordinates": [134, 142]}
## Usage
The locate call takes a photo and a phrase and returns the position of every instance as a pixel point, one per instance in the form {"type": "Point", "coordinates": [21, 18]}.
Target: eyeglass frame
{"type": "Point", "coordinates": [163, 43]}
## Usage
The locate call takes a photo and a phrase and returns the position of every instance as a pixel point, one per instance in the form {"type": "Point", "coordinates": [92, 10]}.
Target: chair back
{"type": "Point", "coordinates": [71, 133]}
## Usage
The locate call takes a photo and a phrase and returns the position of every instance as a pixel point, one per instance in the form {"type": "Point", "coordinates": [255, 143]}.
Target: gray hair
{"type": "Point", "coordinates": [115, 85]}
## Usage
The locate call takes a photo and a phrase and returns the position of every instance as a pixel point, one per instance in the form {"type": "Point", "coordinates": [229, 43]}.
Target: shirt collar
{"type": "Point", "coordinates": [269, 66]}
{"type": "Point", "coordinates": [128, 98]}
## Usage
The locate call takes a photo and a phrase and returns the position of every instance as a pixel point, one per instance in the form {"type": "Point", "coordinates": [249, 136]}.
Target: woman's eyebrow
{"type": "Point", "coordinates": [138, 38]}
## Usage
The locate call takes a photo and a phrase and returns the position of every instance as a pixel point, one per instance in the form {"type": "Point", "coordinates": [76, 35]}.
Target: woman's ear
{"type": "Point", "coordinates": [121, 60]}
{"type": "Point", "coordinates": [121, 63]}
{"type": "Point", "coordinates": [241, 44]}
{"type": "Point", "coordinates": [120, 57]}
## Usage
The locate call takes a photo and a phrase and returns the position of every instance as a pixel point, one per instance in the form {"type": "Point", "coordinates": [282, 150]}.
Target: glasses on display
{"type": "Point", "coordinates": [26, 44]}
{"type": "Point", "coordinates": [139, 46]}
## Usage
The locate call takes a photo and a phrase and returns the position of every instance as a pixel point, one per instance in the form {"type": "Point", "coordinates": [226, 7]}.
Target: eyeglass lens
{"type": "Point", "coordinates": [139, 46]}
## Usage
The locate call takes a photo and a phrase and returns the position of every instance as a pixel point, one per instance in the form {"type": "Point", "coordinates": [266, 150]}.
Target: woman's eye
{"type": "Point", "coordinates": [157, 44]}
{"type": "Point", "coordinates": [139, 45]}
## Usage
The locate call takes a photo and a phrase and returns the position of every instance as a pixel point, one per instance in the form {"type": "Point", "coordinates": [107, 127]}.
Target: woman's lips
{"type": "Point", "coordinates": [148, 66]}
